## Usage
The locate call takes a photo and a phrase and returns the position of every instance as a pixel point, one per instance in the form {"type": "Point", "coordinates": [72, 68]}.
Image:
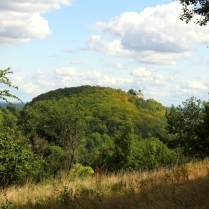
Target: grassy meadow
{"type": "Point", "coordinates": [180, 187]}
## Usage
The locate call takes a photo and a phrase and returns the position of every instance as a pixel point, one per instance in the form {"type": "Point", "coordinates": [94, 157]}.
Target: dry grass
{"type": "Point", "coordinates": [181, 187]}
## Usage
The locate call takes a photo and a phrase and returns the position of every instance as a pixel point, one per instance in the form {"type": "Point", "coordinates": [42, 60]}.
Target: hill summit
{"type": "Point", "coordinates": [108, 107]}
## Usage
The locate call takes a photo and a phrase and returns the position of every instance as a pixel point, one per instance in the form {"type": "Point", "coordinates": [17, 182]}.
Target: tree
{"type": "Point", "coordinates": [131, 91]}
{"type": "Point", "coordinates": [195, 7]}
{"type": "Point", "coordinates": [59, 122]}
{"type": "Point", "coordinates": [121, 158]}
{"type": "Point", "coordinates": [150, 153]}
{"type": "Point", "coordinates": [4, 94]}
{"type": "Point", "coordinates": [183, 123]}
{"type": "Point", "coordinates": [17, 162]}
{"type": "Point", "coordinates": [203, 132]}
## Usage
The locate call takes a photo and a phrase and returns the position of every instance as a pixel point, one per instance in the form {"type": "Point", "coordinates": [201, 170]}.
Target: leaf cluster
{"type": "Point", "coordinates": [192, 7]}
{"type": "Point", "coordinates": [189, 124]}
{"type": "Point", "coordinates": [5, 94]}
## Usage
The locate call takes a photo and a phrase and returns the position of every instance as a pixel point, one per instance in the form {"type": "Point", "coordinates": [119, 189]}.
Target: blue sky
{"type": "Point", "coordinates": [52, 44]}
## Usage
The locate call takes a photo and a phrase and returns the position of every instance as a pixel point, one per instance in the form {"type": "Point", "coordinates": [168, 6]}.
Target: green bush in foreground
{"type": "Point", "coordinates": [81, 171]}
{"type": "Point", "coordinates": [17, 162]}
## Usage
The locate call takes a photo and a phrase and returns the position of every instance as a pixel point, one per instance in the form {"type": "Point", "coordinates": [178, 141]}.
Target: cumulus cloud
{"type": "Point", "coordinates": [21, 20]}
{"type": "Point", "coordinates": [166, 89]}
{"type": "Point", "coordinates": [66, 71]}
{"type": "Point", "coordinates": [155, 35]}
{"type": "Point", "coordinates": [196, 85]}
{"type": "Point", "coordinates": [141, 73]}
{"type": "Point", "coordinates": [40, 82]}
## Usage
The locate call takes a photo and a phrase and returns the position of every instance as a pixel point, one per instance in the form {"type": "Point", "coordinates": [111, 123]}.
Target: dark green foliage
{"type": "Point", "coordinates": [193, 7]}
{"type": "Point", "coordinates": [131, 91]}
{"type": "Point", "coordinates": [58, 122]}
{"type": "Point", "coordinates": [202, 145]}
{"type": "Point", "coordinates": [151, 153]}
{"type": "Point", "coordinates": [55, 160]}
{"type": "Point", "coordinates": [17, 162]}
{"type": "Point", "coordinates": [129, 151]}
{"type": "Point", "coordinates": [99, 156]}
{"type": "Point", "coordinates": [122, 153]}
{"type": "Point", "coordinates": [189, 125]}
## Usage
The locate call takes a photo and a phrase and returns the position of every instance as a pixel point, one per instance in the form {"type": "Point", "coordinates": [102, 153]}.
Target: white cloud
{"type": "Point", "coordinates": [32, 5]}
{"type": "Point", "coordinates": [21, 20]}
{"type": "Point", "coordinates": [196, 85]}
{"type": "Point", "coordinates": [163, 88]}
{"type": "Point", "coordinates": [66, 71]}
{"type": "Point", "coordinates": [116, 65]}
{"type": "Point", "coordinates": [141, 73]}
{"type": "Point", "coordinates": [155, 35]}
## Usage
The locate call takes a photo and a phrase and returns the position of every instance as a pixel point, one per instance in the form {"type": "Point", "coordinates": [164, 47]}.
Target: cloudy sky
{"type": "Point", "coordinates": [52, 44]}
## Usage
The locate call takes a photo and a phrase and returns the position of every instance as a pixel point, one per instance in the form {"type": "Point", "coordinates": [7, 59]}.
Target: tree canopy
{"type": "Point", "coordinates": [189, 124]}
{"type": "Point", "coordinates": [194, 7]}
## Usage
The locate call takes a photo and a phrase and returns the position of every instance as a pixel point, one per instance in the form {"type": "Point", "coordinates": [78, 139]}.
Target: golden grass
{"type": "Point", "coordinates": [180, 187]}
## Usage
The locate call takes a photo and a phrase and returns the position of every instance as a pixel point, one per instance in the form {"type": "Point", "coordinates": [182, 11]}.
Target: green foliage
{"type": "Point", "coordinates": [105, 108]}
{"type": "Point", "coordinates": [100, 156]}
{"type": "Point", "coordinates": [80, 171]}
{"type": "Point", "coordinates": [192, 7]}
{"type": "Point", "coordinates": [123, 147]}
{"type": "Point", "coordinates": [202, 142]}
{"type": "Point", "coordinates": [55, 120]}
{"type": "Point", "coordinates": [59, 122]}
{"type": "Point", "coordinates": [132, 152]}
{"type": "Point", "coordinates": [151, 153]}
{"type": "Point", "coordinates": [62, 116]}
{"type": "Point", "coordinates": [17, 161]}
{"type": "Point", "coordinates": [8, 121]}
{"type": "Point", "coordinates": [55, 160]}
{"type": "Point", "coordinates": [131, 91]}
{"type": "Point", "coordinates": [183, 123]}
{"type": "Point", "coordinates": [5, 94]}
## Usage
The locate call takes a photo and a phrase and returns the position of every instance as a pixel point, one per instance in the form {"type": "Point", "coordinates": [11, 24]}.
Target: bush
{"type": "Point", "coordinates": [80, 171]}
{"type": "Point", "coordinates": [150, 153]}
{"type": "Point", "coordinates": [17, 162]}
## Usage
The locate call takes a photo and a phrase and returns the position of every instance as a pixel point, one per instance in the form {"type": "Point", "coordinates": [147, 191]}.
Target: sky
{"type": "Point", "coordinates": [134, 44]}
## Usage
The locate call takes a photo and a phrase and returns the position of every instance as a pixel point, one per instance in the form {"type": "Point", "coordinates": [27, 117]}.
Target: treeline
{"type": "Point", "coordinates": [97, 127]}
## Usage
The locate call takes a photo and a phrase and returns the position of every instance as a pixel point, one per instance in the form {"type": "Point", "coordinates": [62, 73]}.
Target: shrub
{"type": "Point", "coordinates": [150, 153]}
{"type": "Point", "coordinates": [17, 161]}
{"type": "Point", "coordinates": [80, 171]}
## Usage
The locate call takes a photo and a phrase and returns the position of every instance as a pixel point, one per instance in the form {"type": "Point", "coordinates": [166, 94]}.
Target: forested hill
{"type": "Point", "coordinates": [105, 108]}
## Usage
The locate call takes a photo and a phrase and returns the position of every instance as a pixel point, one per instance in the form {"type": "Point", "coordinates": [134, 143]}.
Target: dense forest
{"type": "Point", "coordinates": [97, 127]}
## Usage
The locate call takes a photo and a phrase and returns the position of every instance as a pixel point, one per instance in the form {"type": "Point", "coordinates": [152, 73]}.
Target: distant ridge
{"type": "Point", "coordinates": [5, 104]}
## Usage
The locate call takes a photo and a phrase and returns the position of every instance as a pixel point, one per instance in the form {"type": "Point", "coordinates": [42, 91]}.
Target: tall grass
{"type": "Point", "coordinates": [179, 187]}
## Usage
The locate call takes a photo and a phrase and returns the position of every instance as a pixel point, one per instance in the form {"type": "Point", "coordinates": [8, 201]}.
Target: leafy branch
{"type": "Point", "coordinates": [5, 94]}
{"type": "Point", "coordinates": [192, 7]}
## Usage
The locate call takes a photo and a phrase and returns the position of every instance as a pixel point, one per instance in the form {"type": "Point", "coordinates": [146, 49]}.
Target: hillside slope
{"type": "Point", "coordinates": [106, 107]}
